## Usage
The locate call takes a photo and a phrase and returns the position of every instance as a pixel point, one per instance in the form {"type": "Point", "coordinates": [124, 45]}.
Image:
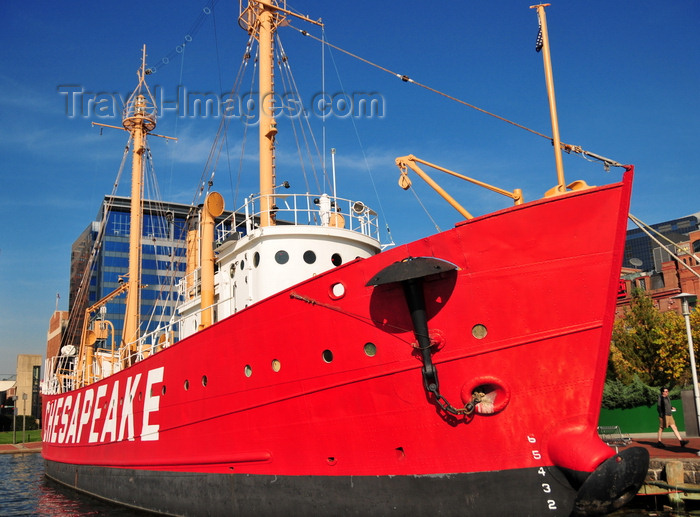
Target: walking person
{"type": "Point", "coordinates": [666, 418]}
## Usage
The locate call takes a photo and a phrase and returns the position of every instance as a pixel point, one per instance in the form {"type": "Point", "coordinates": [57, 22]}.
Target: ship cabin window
{"type": "Point", "coordinates": [336, 259]}
{"type": "Point", "coordinates": [232, 271]}
{"type": "Point", "coordinates": [256, 259]}
{"type": "Point", "coordinates": [281, 257]}
{"type": "Point", "coordinates": [309, 257]}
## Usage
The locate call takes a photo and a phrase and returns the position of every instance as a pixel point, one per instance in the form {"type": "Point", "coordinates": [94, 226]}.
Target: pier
{"type": "Point", "coordinates": [674, 471]}
{"type": "Point", "coordinates": [8, 448]}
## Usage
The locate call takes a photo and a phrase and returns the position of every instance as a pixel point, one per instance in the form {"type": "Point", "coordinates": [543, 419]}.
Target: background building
{"type": "Point", "coordinates": [639, 247]}
{"type": "Point", "coordinates": [57, 326]}
{"type": "Point", "coordinates": [655, 270]}
{"type": "Point", "coordinates": [27, 386]}
{"type": "Point", "coordinates": [97, 270]}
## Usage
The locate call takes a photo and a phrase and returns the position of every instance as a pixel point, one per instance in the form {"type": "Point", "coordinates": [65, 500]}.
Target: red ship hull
{"type": "Point", "coordinates": [312, 403]}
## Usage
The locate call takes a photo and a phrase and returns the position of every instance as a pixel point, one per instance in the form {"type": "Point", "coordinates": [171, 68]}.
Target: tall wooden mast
{"type": "Point", "coordinates": [268, 127]}
{"type": "Point", "coordinates": [549, 79]}
{"type": "Point", "coordinates": [139, 119]}
{"type": "Point", "coordinates": [261, 19]}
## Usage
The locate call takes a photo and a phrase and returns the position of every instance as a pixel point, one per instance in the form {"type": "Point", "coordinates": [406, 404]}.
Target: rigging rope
{"type": "Point", "coordinates": [364, 157]}
{"type": "Point", "coordinates": [288, 77]}
{"type": "Point", "coordinates": [72, 334]}
{"type": "Point", "coordinates": [645, 228]}
{"type": "Point", "coordinates": [187, 38]}
{"type": "Point", "coordinates": [568, 148]}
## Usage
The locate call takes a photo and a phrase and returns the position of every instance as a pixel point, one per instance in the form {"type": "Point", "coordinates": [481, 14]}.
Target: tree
{"type": "Point", "coordinates": [650, 345]}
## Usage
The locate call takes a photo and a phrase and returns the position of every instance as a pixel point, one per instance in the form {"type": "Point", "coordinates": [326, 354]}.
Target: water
{"type": "Point", "coordinates": [26, 491]}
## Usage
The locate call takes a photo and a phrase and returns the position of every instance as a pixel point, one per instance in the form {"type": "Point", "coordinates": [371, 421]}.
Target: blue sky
{"type": "Point", "coordinates": [627, 77]}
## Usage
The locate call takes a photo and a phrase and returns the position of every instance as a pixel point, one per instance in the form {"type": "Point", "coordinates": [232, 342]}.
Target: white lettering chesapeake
{"type": "Point", "coordinates": [127, 420]}
{"type": "Point", "coordinates": [64, 418]}
{"type": "Point", "coordinates": [149, 432]}
{"type": "Point", "coordinates": [54, 419]}
{"type": "Point", "coordinates": [110, 425]}
{"type": "Point", "coordinates": [85, 413]}
{"type": "Point", "coordinates": [46, 434]}
{"type": "Point", "coordinates": [101, 391]}
{"type": "Point", "coordinates": [73, 426]}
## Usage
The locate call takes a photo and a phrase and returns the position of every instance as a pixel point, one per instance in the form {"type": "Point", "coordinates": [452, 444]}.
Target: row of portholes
{"type": "Point", "coordinates": [370, 350]}
{"type": "Point", "coordinates": [282, 257]}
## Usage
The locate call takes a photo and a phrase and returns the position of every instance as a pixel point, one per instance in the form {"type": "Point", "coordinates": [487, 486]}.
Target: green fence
{"type": "Point", "coordinates": [644, 419]}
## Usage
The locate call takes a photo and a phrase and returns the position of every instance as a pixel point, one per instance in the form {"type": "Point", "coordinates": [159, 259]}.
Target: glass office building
{"type": "Point", "coordinates": [163, 261]}
{"type": "Point", "coordinates": [641, 252]}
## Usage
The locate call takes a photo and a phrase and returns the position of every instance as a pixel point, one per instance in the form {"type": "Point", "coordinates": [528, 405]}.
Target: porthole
{"type": "Point", "coordinates": [370, 349]}
{"type": "Point", "coordinates": [281, 257]}
{"type": "Point", "coordinates": [276, 365]}
{"type": "Point", "coordinates": [336, 259]}
{"type": "Point", "coordinates": [187, 385]}
{"type": "Point", "coordinates": [309, 257]}
{"type": "Point", "coordinates": [327, 356]}
{"type": "Point", "coordinates": [232, 270]}
{"type": "Point", "coordinates": [256, 259]}
{"type": "Point", "coordinates": [479, 331]}
{"type": "Point", "coordinates": [248, 371]}
{"type": "Point", "coordinates": [204, 380]}
{"type": "Point", "coordinates": [337, 291]}
{"type": "Point", "coordinates": [162, 390]}
{"type": "Point", "coordinates": [242, 264]}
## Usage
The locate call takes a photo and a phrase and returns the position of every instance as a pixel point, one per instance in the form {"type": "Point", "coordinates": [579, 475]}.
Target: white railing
{"type": "Point", "coordinates": [303, 209]}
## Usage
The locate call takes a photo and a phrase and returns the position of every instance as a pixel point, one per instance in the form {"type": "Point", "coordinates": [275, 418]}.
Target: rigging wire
{"type": "Point", "coordinates": [205, 183]}
{"type": "Point", "coordinates": [427, 212]}
{"type": "Point", "coordinates": [186, 39]}
{"type": "Point", "coordinates": [80, 303]}
{"type": "Point", "coordinates": [568, 148]}
{"type": "Point", "coordinates": [175, 131]}
{"type": "Point", "coordinates": [648, 229]}
{"type": "Point", "coordinates": [368, 168]}
{"type": "Point", "coordinates": [290, 82]}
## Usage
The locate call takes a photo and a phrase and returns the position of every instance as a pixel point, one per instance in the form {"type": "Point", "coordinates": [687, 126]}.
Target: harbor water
{"type": "Point", "coordinates": [26, 491]}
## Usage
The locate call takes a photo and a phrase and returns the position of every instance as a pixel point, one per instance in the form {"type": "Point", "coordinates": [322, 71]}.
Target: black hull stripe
{"type": "Point", "coordinates": [522, 492]}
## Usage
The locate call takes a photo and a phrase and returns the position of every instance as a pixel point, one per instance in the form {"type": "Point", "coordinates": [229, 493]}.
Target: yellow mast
{"type": "Point", "coordinates": [549, 79]}
{"type": "Point", "coordinates": [268, 127]}
{"type": "Point", "coordinates": [261, 19]}
{"type": "Point", "coordinates": [139, 120]}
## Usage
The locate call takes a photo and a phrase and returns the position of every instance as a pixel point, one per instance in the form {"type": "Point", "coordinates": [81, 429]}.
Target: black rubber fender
{"type": "Point", "coordinates": [613, 483]}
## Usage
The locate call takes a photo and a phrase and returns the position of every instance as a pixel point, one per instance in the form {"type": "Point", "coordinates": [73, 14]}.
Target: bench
{"type": "Point", "coordinates": [613, 436]}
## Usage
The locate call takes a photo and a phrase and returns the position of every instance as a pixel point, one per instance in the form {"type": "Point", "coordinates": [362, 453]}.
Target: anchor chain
{"type": "Point", "coordinates": [409, 273]}
{"type": "Point", "coordinates": [430, 382]}
{"type": "Point", "coordinates": [413, 291]}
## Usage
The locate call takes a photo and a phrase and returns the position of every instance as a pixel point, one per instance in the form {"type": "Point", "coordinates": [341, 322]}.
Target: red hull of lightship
{"type": "Point", "coordinates": [315, 401]}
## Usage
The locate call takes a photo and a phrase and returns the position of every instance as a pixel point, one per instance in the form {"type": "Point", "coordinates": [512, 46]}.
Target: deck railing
{"type": "Point", "coordinates": [303, 209]}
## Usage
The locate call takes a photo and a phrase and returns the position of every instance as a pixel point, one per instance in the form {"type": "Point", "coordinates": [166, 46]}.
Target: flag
{"type": "Point", "coordinates": [538, 42]}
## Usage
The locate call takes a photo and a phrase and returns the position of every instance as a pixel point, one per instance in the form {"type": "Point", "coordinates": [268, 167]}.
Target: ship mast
{"type": "Point", "coordinates": [549, 79]}
{"type": "Point", "coordinates": [261, 20]}
{"type": "Point", "coordinates": [139, 119]}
